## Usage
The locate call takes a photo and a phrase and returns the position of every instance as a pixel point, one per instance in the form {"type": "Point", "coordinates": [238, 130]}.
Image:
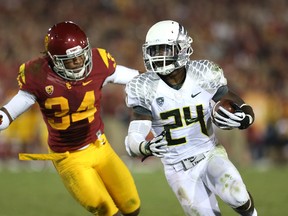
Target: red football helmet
{"type": "Point", "coordinates": [65, 41]}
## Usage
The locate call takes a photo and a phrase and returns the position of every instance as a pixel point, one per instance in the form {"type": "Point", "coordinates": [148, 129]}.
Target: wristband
{"type": "Point", "coordinates": [144, 148]}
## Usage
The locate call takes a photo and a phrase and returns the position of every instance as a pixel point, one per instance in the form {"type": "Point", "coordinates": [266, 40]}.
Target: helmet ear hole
{"type": "Point", "coordinates": [166, 33]}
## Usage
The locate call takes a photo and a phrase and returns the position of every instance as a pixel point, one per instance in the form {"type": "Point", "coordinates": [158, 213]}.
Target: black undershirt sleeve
{"type": "Point", "coordinates": [142, 111]}
{"type": "Point", "coordinates": [220, 93]}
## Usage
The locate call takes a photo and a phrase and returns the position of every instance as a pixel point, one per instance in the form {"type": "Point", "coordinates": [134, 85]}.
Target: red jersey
{"type": "Point", "coordinates": [71, 110]}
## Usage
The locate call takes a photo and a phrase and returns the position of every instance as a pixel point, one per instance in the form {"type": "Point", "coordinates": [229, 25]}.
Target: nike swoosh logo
{"type": "Point", "coordinates": [194, 95]}
{"type": "Point", "coordinates": [86, 83]}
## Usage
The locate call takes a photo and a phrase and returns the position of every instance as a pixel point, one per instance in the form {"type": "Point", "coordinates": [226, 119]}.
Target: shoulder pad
{"type": "Point", "coordinates": [141, 90]}
{"type": "Point", "coordinates": [206, 74]}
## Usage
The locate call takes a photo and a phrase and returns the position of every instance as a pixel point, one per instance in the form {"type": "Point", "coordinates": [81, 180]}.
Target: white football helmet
{"type": "Point", "coordinates": [167, 47]}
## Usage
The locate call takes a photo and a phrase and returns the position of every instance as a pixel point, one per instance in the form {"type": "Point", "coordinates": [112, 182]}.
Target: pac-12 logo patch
{"type": "Point", "coordinates": [49, 89]}
{"type": "Point", "coordinates": [160, 101]}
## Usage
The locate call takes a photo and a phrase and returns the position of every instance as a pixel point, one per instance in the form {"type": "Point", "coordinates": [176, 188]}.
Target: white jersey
{"type": "Point", "coordinates": [184, 114]}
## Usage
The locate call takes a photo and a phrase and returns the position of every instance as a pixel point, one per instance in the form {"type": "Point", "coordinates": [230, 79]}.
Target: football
{"type": "Point", "coordinates": [226, 104]}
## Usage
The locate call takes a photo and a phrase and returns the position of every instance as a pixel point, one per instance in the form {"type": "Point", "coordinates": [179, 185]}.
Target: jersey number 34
{"type": "Point", "coordinates": [63, 119]}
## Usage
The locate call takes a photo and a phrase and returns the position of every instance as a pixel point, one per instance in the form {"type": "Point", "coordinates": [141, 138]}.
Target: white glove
{"type": "Point", "coordinates": [157, 146]}
{"type": "Point", "coordinates": [229, 120]}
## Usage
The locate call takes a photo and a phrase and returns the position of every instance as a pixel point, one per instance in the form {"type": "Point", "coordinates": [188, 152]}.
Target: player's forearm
{"type": "Point", "coordinates": [137, 133]}
{"type": "Point", "coordinates": [122, 75]}
{"type": "Point", "coordinates": [21, 102]}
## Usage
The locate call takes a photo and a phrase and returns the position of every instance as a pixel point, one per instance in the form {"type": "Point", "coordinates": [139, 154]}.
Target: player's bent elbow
{"type": "Point", "coordinates": [131, 147]}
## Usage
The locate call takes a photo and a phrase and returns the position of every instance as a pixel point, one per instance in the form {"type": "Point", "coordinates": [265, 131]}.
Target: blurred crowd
{"type": "Point", "coordinates": [248, 39]}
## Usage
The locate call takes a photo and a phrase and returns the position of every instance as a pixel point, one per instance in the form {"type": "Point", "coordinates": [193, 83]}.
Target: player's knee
{"type": "Point", "coordinates": [101, 209]}
{"type": "Point", "coordinates": [238, 193]}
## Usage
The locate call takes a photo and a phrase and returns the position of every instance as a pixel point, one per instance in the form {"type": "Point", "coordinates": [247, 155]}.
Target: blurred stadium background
{"type": "Point", "coordinates": [248, 39]}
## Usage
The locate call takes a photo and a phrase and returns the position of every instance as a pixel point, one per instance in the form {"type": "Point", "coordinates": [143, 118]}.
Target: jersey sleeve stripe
{"type": "Point", "coordinates": [104, 56]}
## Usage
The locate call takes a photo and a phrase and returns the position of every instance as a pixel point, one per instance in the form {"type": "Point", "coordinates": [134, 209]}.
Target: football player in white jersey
{"type": "Point", "coordinates": [173, 99]}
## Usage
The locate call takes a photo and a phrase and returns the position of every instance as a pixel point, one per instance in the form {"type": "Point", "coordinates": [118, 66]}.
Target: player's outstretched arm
{"type": "Point", "coordinates": [121, 75]}
{"type": "Point", "coordinates": [21, 102]}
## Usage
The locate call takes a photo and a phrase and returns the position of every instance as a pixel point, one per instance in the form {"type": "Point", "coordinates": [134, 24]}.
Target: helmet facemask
{"type": "Point", "coordinates": [73, 74]}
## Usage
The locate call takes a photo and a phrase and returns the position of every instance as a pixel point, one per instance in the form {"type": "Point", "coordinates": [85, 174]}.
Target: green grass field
{"type": "Point", "coordinates": [25, 193]}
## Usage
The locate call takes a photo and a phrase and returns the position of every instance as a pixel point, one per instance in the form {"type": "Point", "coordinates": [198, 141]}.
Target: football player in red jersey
{"type": "Point", "coordinates": [67, 84]}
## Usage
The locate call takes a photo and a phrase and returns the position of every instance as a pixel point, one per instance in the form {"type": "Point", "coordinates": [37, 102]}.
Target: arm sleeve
{"type": "Point", "coordinates": [142, 111]}
{"type": "Point", "coordinates": [21, 102]}
{"type": "Point", "coordinates": [137, 133]}
{"type": "Point", "coordinates": [220, 93]}
{"type": "Point", "coordinates": [122, 75]}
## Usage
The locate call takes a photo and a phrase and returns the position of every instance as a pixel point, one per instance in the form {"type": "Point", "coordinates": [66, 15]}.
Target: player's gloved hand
{"type": "Point", "coordinates": [240, 119]}
{"type": "Point", "coordinates": [156, 146]}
